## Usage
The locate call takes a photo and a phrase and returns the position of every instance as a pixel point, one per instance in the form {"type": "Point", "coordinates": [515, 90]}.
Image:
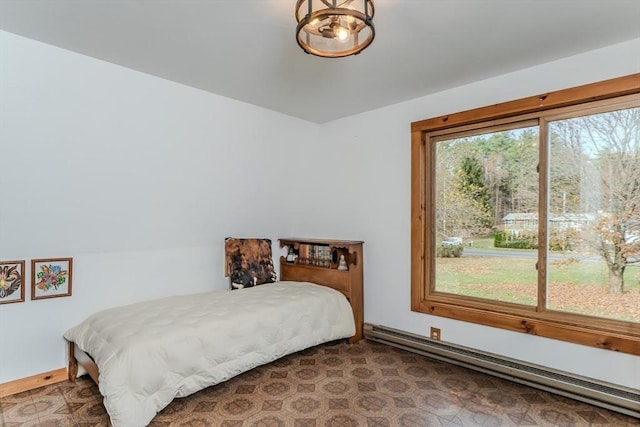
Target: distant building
{"type": "Point", "coordinates": [571, 221]}
{"type": "Point", "coordinates": [516, 223]}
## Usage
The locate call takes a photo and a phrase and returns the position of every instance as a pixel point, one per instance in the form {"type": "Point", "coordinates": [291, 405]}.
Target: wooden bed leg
{"type": "Point", "coordinates": [73, 363]}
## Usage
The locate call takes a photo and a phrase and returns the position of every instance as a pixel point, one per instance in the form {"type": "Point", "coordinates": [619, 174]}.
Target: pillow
{"type": "Point", "coordinates": [249, 262]}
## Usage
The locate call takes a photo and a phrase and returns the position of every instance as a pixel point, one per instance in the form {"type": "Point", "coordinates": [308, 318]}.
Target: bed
{"type": "Point", "coordinates": [144, 355]}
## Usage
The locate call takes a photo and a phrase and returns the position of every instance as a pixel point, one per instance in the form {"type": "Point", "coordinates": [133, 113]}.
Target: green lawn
{"type": "Point", "coordinates": [486, 277]}
{"type": "Point", "coordinates": [522, 272]}
{"type": "Point", "coordinates": [483, 243]}
{"type": "Point", "coordinates": [580, 287]}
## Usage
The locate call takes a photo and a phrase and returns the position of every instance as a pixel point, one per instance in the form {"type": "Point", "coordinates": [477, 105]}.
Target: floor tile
{"type": "Point", "coordinates": [334, 385]}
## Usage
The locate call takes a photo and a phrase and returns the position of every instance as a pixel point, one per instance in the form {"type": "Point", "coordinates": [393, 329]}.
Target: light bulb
{"type": "Point", "coordinates": [342, 34]}
{"type": "Point", "coordinates": [314, 23]}
{"type": "Point", "coordinates": [350, 22]}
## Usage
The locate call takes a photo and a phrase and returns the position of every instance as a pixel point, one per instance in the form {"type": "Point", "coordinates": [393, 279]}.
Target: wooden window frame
{"type": "Point", "coordinates": [600, 333]}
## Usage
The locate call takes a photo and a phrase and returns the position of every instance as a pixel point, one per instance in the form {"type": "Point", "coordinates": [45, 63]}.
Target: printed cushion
{"type": "Point", "coordinates": [249, 262]}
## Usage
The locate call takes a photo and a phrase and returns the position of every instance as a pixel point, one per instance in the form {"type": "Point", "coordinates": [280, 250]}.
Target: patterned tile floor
{"type": "Point", "coordinates": [332, 385]}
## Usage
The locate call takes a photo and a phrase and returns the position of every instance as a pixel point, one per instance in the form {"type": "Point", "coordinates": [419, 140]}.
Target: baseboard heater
{"type": "Point", "coordinates": [606, 395]}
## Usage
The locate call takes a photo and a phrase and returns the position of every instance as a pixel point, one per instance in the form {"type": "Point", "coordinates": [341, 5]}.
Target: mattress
{"type": "Point", "coordinates": [151, 352]}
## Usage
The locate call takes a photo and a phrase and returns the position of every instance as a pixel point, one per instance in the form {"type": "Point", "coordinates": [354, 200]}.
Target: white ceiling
{"type": "Point", "coordinates": [246, 49]}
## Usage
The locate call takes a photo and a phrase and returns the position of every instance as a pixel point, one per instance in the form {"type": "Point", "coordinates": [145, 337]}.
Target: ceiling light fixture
{"type": "Point", "coordinates": [334, 28]}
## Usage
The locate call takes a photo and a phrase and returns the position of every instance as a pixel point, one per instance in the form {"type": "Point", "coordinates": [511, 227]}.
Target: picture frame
{"type": "Point", "coordinates": [12, 281]}
{"type": "Point", "coordinates": [51, 278]}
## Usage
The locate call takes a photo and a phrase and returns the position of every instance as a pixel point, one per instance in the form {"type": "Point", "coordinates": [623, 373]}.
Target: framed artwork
{"type": "Point", "coordinates": [11, 281]}
{"type": "Point", "coordinates": [51, 278]}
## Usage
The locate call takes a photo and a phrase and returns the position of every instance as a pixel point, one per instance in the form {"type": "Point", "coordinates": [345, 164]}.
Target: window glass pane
{"type": "Point", "coordinates": [594, 215]}
{"type": "Point", "coordinates": [486, 203]}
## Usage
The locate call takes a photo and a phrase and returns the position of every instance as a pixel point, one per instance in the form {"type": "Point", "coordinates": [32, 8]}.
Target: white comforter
{"type": "Point", "coordinates": [151, 352]}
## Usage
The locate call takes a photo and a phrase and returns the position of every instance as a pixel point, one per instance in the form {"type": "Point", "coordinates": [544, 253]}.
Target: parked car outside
{"type": "Point", "coordinates": [452, 241]}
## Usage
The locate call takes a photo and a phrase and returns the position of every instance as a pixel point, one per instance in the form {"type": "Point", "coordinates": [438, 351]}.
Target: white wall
{"type": "Point", "coordinates": [376, 193]}
{"type": "Point", "coordinates": [137, 178]}
{"type": "Point", "coordinates": [140, 179]}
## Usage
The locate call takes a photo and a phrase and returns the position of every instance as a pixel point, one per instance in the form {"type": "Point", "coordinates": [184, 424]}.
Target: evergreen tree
{"type": "Point", "coordinates": [471, 183]}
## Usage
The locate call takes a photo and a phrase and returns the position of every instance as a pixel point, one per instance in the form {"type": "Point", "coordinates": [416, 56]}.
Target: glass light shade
{"type": "Point", "coordinates": [334, 28]}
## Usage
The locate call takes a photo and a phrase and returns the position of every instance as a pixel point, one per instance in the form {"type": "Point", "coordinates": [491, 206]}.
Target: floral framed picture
{"type": "Point", "coordinates": [51, 278]}
{"type": "Point", "coordinates": [11, 281]}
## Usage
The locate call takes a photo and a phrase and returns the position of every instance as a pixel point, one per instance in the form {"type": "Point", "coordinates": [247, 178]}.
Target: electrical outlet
{"type": "Point", "coordinates": [435, 334]}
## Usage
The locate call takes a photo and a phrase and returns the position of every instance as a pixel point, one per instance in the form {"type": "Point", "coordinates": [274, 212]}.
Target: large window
{"type": "Point", "coordinates": [526, 215]}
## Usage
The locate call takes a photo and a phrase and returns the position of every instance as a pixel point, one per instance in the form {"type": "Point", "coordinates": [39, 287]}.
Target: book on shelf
{"type": "Point", "coordinates": [318, 255]}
